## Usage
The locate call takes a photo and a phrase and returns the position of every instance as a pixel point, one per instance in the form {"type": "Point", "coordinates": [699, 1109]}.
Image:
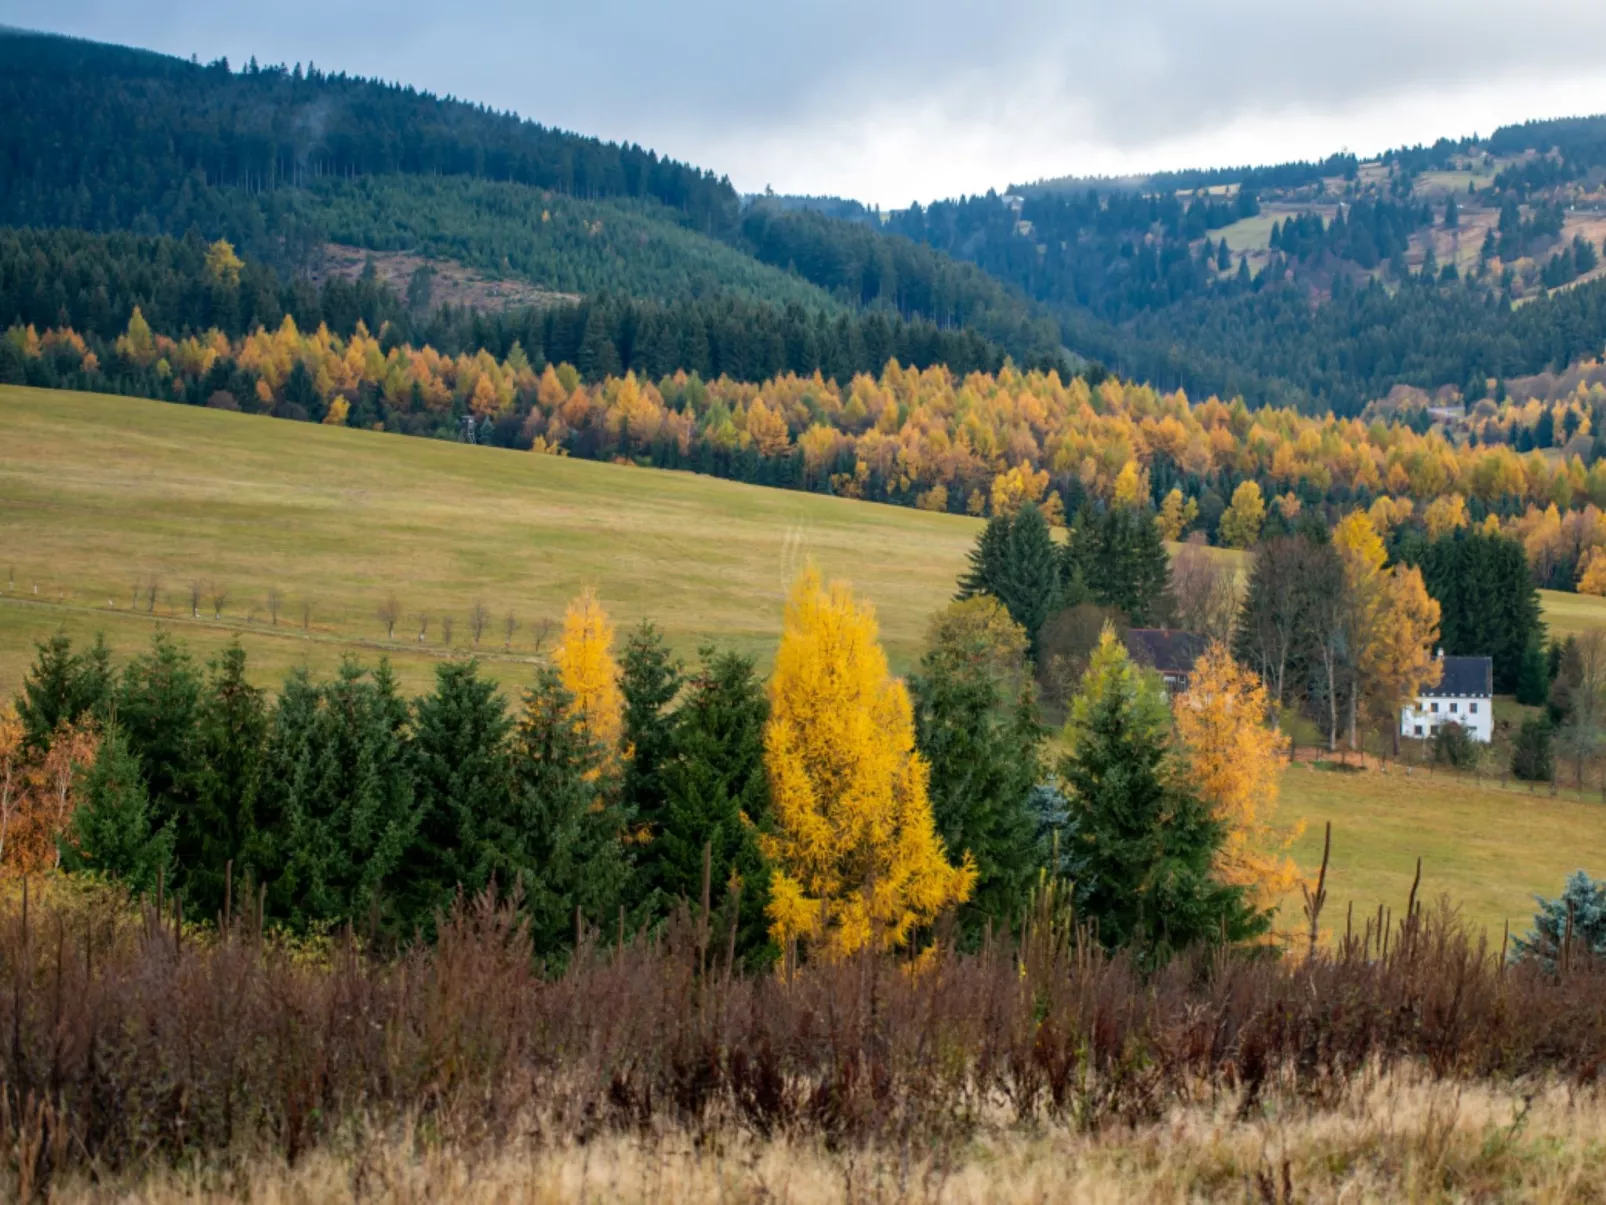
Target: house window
{"type": "Point", "coordinates": [1472, 708]}
{"type": "Point", "coordinates": [1419, 730]}
{"type": "Point", "coordinates": [1453, 706]}
{"type": "Point", "coordinates": [1434, 708]}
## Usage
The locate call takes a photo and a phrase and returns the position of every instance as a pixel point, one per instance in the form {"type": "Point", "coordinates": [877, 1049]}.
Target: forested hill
{"type": "Point", "coordinates": [282, 161]}
{"type": "Point", "coordinates": [129, 130]}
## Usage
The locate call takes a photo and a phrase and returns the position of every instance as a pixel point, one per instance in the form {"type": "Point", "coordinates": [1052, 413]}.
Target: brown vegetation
{"type": "Point", "coordinates": [133, 1042]}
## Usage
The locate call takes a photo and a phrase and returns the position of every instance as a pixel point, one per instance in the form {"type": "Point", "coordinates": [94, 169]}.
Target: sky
{"type": "Point", "coordinates": [890, 101]}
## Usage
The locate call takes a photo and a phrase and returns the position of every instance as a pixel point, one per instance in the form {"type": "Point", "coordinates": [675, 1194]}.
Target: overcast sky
{"type": "Point", "coordinates": [896, 100]}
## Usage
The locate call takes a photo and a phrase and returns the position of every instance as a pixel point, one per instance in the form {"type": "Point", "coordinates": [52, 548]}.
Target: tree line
{"type": "Point", "coordinates": [830, 809]}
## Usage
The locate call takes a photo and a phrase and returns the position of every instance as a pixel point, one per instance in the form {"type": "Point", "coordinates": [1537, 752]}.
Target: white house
{"type": "Point", "coordinates": [1464, 695]}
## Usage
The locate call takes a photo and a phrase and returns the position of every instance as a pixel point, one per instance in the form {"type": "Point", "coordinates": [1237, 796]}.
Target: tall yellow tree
{"type": "Point", "coordinates": [1176, 515]}
{"type": "Point", "coordinates": [1241, 522]}
{"type": "Point", "coordinates": [857, 859]}
{"type": "Point", "coordinates": [585, 661]}
{"type": "Point", "coordinates": [1361, 552]}
{"type": "Point", "coordinates": [1398, 660]}
{"type": "Point", "coordinates": [1235, 760]}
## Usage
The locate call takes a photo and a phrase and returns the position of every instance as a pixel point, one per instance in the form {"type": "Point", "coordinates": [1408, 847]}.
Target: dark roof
{"type": "Point", "coordinates": [1168, 652]}
{"type": "Point", "coordinates": [1463, 676]}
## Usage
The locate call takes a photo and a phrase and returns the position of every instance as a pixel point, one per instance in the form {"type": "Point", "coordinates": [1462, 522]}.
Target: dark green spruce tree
{"type": "Point", "coordinates": [1487, 599]}
{"type": "Point", "coordinates": [158, 707]}
{"type": "Point", "coordinates": [1140, 843]}
{"type": "Point", "coordinates": [1121, 557]}
{"type": "Point", "coordinates": [717, 798]}
{"type": "Point", "coordinates": [1016, 561]}
{"type": "Point", "coordinates": [565, 846]}
{"type": "Point", "coordinates": [976, 724]}
{"type": "Point", "coordinates": [113, 830]}
{"type": "Point", "coordinates": [462, 790]}
{"type": "Point", "coordinates": [649, 679]}
{"type": "Point", "coordinates": [336, 805]}
{"type": "Point", "coordinates": [231, 734]}
{"type": "Point", "coordinates": [63, 687]}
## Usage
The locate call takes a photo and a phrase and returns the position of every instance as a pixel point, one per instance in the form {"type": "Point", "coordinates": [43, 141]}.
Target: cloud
{"type": "Point", "coordinates": [898, 99]}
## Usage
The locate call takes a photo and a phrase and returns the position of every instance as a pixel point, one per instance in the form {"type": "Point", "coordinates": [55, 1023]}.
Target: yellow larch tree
{"type": "Point", "coordinates": [1130, 488]}
{"type": "Point", "coordinates": [1397, 661]}
{"type": "Point", "coordinates": [1445, 514]}
{"type": "Point", "coordinates": [13, 771]}
{"type": "Point", "coordinates": [1592, 575]}
{"type": "Point", "coordinates": [585, 661]}
{"type": "Point", "coordinates": [858, 863]}
{"type": "Point", "coordinates": [1176, 515]}
{"type": "Point", "coordinates": [1241, 521]}
{"type": "Point", "coordinates": [1235, 760]}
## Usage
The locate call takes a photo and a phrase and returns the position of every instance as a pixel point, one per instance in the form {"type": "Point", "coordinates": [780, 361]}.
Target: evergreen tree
{"type": "Point", "coordinates": [112, 829]}
{"type": "Point", "coordinates": [717, 798]}
{"type": "Point", "coordinates": [337, 805]}
{"type": "Point", "coordinates": [62, 687]}
{"type": "Point", "coordinates": [1531, 756]}
{"type": "Point", "coordinates": [462, 787]}
{"type": "Point", "coordinates": [649, 679]}
{"type": "Point", "coordinates": [1142, 841]}
{"type": "Point", "coordinates": [1580, 912]}
{"type": "Point", "coordinates": [1533, 677]}
{"type": "Point", "coordinates": [1015, 561]}
{"type": "Point", "coordinates": [1121, 556]}
{"type": "Point", "coordinates": [158, 705]}
{"type": "Point", "coordinates": [231, 735]}
{"type": "Point", "coordinates": [1488, 603]}
{"type": "Point", "coordinates": [566, 843]}
{"type": "Point", "coordinates": [976, 723]}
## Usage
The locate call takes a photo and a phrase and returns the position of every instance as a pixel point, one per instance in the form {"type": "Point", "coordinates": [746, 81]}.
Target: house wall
{"type": "Point", "coordinates": [1475, 714]}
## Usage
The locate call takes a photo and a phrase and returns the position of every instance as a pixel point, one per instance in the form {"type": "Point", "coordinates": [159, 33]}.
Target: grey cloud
{"type": "Point", "coordinates": [709, 75]}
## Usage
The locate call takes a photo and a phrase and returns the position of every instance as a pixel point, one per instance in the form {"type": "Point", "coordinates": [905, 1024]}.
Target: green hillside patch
{"type": "Point", "coordinates": [634, 247]}
{"type": "Point", "coordinates": [115, 493]}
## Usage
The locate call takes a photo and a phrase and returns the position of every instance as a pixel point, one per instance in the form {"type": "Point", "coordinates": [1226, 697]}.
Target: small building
{"type": "Point", "coordinates": [1170, 653]}
{"type": "Point", "coordinates": [1464, 696]}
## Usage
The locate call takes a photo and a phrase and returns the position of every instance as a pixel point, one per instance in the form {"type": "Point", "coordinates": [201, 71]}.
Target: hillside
{"type": "Point", "coordinates": [116, 496]}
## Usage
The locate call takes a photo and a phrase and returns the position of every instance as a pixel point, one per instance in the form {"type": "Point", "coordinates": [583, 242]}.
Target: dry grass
{"type": "Point", "coordinates": [1402, 1138]}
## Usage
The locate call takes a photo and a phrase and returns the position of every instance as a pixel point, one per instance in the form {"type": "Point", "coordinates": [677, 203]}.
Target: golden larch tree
{"type": "Point", "coordinates": [1397, 660]}
{"type": "Point", "coordinates": [13, 771]}
{"type": "Point", "coordinates": [1235, 761]}
{"type": "Point", "coordinates": [585, 661]}
{"type": "Point", "coordinates": [1241, 522]}
{"type": "Point", "coordinates": [857, 859]}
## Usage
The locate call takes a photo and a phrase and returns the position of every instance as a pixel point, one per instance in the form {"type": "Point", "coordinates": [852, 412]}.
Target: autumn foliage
{"type": "Point", "coordinates": [857, 859]}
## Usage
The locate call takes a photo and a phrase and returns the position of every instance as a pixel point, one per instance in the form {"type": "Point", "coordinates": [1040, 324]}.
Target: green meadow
{"type": "Point", "coordinates": [102, 497]}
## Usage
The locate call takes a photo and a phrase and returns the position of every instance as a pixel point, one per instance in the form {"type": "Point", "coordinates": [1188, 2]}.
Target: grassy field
{"type": "Point", "coordinates": [1489, 848]}
{"type": "Point", "coordinates": [113, 493]}
{"type": "Point", "coordinates": [99, 496]}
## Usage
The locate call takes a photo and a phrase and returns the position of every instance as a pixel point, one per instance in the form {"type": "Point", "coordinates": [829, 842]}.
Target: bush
{"type": "Point", "coordinates": [1584, 900]}
{"type": "Point", "coordinates": [1453, 746]}
{"type": "Point", "coordinates": [1531, 759]}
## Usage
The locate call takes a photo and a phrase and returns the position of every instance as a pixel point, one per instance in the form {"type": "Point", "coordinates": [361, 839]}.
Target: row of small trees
{"type": "Point", "coordinates": [832, 808]}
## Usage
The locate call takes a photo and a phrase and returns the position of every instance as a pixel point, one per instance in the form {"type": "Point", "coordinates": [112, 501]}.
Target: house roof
{"type": "Point", "coordinates": [1169, 652]}
{"type": "Point", "coordinates": [1463, 676]}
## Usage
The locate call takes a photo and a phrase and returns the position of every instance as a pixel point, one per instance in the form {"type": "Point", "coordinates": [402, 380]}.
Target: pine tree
{"type": "Point", "coordinates": [1531, 757]}
{"type": "Point", "coordinates": [462, 784]}
{"type": "Point", "coordinates": [112, 829]}
{"type": "Point", "coordinates": [1015, 561]}
{"type": "Point", "coordinates": [1121, 556]}
{"type": "Point", "coordinates": [158, 704]}
{"type": "Point", "coordinates": [717, 797]}
{"type": "Point", "coordinates": [230, 741]}
{"type": "Point", "coordinates": [857, 860]}
{"type": "Point", "coordinates": [1142, 842]}
{"type": "Point", "coordinates": [650, 679]}
{"type": "Point", "coordinates": [1533, 677]}
{"type": "Point", "coordinates": [63, 687]}
{"type": "Point", "coordinates": [337, 799]}
{"type": "Point", "coordinates": [976, 724]}
{"type": "Point", "coordinates": [565, 846]}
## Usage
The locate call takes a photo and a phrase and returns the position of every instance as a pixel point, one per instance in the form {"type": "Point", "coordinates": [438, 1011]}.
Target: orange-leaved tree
{"type": "Point", "coordinates": [1235, 761]}
{"type": "Point", "coordinates": [585, 662]}
{"type": "Point", "coordinates": [42, 810]}
{"type": "Point", "coordinates": [858, 863]}
{"type": "Point", "coordinates": [13, 770]}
